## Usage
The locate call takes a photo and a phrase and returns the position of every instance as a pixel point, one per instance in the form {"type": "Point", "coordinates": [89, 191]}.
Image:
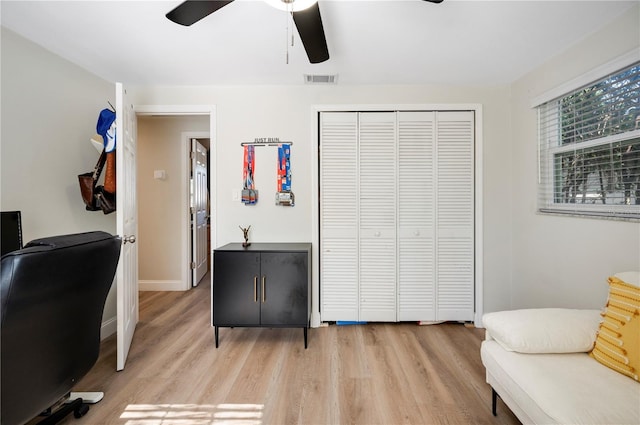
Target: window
{"type": "Point", "coordinates": [589, 149]}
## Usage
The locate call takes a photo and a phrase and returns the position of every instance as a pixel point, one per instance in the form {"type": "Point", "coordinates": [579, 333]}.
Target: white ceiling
{"type": "Point", "coordinates": [370, 42]}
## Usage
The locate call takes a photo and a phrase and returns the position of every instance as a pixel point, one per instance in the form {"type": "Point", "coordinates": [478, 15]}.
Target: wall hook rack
{"type": "Point", "coordinates": [265, 143]}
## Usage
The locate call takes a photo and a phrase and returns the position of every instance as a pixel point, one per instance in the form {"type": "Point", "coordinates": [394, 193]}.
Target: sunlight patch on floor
{"type": "Point", "coordinates": [193, 414]}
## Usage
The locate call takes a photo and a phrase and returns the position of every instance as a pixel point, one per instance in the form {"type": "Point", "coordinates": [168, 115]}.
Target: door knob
{"type": "Point", "coordinates": [130, 239]}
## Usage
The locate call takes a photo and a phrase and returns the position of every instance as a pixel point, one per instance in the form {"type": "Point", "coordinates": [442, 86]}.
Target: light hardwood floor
{"type": "Point", "coordinates": [365, 374]}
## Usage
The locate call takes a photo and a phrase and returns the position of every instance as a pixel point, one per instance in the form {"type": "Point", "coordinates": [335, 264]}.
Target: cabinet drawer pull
{"type": "Point", "coordinates": [264, 294]}
{"type": "Point", "coordinates": [255, 289]}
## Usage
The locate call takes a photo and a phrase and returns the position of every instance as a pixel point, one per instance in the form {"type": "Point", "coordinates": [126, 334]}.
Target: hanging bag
{"type": "Point", "coordinates": [102, 197]}
{"type": "Point", "coordinates": [110, 172]}
{"type": "Point", "coordinates": [88, 182]}
{"type": "Point", "coordinates": [106, 200]}
{"type": "Point", "coordinates": [95, 197]}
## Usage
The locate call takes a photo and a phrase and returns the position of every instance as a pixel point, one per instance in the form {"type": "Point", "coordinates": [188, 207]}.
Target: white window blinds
{"type": "Point", "coordinates": [589, 149]}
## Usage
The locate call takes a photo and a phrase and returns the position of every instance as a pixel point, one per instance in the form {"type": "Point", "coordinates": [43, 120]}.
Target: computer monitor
{"type": "Point", "coordinates": [11, 231]}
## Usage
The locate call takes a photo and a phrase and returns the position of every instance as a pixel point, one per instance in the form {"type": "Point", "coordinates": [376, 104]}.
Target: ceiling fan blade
{"type": "Point", "coordinates": [434, 1]}
{"type": "Point", "coordinates": [309, 24]}
{"type": "Point", "coordinates": [191, 11]}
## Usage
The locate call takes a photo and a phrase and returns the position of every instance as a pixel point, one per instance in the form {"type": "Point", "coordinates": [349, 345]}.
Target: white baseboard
{"type": "Point", "coordinates": [161, 285]}
{"type": "Point", "coordinates": [109, 327]}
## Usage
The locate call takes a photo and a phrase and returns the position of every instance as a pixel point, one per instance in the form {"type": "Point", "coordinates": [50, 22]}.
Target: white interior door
{"type": "Point", "coordinates": [199, 211]}
{"type": "Point", "coordinates": [126, 224]}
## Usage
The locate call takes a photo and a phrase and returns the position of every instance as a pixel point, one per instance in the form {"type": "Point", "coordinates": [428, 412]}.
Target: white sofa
{"type": "Point", "coordinates": [537, 362]}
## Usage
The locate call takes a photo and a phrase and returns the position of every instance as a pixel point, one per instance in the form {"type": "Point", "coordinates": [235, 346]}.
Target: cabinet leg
{"type": "Point", "coordinates": [216, 333]}
{"type": "Point", "coordinates": [305, 338]}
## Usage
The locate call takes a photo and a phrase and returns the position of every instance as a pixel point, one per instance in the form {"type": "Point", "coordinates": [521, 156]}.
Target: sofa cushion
{"type": "Point", "coordinates": [618, 342]}
{"type": "Point", "coordinates": [544, 330]}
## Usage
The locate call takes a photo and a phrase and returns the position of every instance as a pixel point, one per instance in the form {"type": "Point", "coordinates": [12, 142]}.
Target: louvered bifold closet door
{"type": "Point", "coordinates": [377, 208]}
{"type": "Point", "coordinates": [416, 216]}
{"type": "Point", "coordinates": [339, 296]}
{"type": "Point", "coordinates": [455, 215]}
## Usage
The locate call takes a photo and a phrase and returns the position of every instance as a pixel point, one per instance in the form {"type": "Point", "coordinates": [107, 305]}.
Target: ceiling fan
{"type": "Point", "coordinates": [305, 13]}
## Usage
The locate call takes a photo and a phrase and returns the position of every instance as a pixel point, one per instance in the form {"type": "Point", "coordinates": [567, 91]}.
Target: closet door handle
{"type": "Point", "coordinates": [255, 289]}
{"type": "Point", "coordinates": [264, 295]}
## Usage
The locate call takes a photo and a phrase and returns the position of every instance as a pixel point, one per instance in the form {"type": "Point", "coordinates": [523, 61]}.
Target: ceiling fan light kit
{"type": "Point", "coordinates": [305, 14]}
{"type": "Point", "coordinates": [291, 5]}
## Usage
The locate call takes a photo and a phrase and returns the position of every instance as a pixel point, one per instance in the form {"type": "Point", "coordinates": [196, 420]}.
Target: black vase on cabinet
{"type": "Point", "coordinates": [262, 285]}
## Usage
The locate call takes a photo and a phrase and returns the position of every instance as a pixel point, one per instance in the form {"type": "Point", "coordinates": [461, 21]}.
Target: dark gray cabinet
{"type": "Point", "coordinates": [264, 284]}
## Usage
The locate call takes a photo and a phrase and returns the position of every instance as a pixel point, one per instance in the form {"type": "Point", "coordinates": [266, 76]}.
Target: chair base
{"type": "Point", "coordinates": [77, 402]}
{"type": "Point", "coordinates": [76, 406]}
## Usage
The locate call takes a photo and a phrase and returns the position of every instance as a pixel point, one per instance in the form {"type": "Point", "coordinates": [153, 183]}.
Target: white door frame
{"type": "Point", "coordinates": [211, 135]}
{"type": "Point", "coordinates": [315, 223]}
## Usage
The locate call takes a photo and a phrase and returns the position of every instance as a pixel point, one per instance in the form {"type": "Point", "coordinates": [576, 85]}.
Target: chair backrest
{"type": "Point", "coordinates": [52, 299]}
{"type": "Point", "coordinates": [10, 231]}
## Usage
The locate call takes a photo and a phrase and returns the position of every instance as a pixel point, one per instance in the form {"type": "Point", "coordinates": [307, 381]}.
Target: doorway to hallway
{"type": "Point", "coordinates": [167, 207]}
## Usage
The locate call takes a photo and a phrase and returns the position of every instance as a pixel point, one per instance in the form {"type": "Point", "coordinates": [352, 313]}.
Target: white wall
{"type": "Point", "coordinates": [49, 112]}
{"type": "Point", "coordinates": [161, 247]}
{"type": "Point", "coordinates": [564, 261]}
{"type": "Point", "coordinates": [248, 112]}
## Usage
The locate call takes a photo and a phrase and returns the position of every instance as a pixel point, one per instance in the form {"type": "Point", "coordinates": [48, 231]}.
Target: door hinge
{"type": "Point", "coordinates": [193, 265]}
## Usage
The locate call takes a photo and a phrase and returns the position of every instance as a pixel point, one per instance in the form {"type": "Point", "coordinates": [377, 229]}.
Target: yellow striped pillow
{"type": "Point", "coordinates": [618, 341]}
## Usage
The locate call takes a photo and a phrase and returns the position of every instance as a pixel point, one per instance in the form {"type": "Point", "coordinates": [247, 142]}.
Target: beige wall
{"type": "Point", "coordinates": [49, 112]}
{"type": "Point", "coordinates": [161, 146]}
{"type": "Point", "coordinates": [564, 261]}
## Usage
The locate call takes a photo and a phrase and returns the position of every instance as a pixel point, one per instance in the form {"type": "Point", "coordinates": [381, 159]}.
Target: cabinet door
{"type": "Point", "coordinates": [284, 289]}
{"type": "Point", "coordinates": [236, 288]}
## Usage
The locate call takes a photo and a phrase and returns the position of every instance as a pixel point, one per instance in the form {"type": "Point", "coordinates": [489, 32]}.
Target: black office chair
{"type": "Point", "coordinates": [52, 298]}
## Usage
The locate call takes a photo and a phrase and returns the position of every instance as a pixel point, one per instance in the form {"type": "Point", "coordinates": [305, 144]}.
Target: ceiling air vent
{"type": "Point", "coordinates": [320, 79]}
